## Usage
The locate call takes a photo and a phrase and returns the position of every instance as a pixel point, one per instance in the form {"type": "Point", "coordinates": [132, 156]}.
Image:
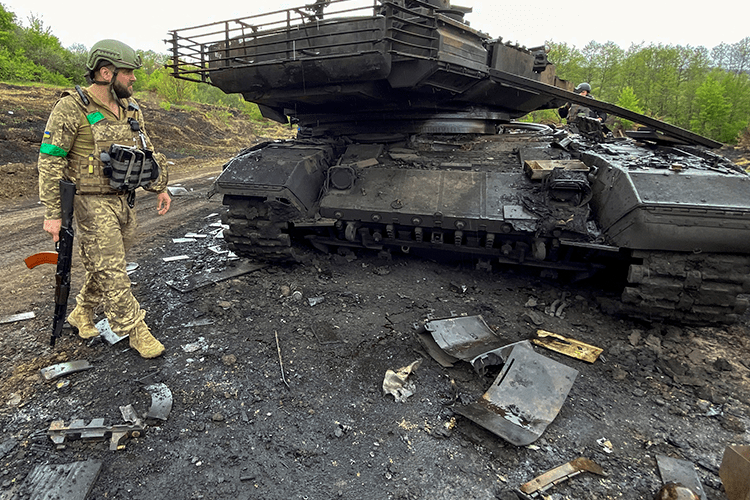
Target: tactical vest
{"type": "Point", "coordinates": [119, 162]}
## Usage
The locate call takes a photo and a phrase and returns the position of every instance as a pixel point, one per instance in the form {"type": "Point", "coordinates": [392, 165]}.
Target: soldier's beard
{"type": "Point", "coordinates": [122, 91]}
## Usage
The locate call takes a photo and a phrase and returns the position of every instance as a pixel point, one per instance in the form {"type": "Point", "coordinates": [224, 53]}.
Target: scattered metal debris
{"type": "Point", "coordinates": [189, 283]}
{"type": "Point", "coordinates": [467, 338]}
{"type": "Point", "coordinates": [177, 191]}
{"type": "Point", "coordinates": [161, 401]}
{"type": "Point", "coordinates": [281, 363]}
{"type": "Point", "coordinates": [569, 347]}
{"type": "Point", "coordinates": [175, 258]}
{"type": "Point", "coordinates": [396, 383]}
{"type": "Point", "coordinates": [735, 472]}
{"type": "Point", "coordinates": [72, 481]}
{"type": "Point", "coordinates": [524, 398]}
{"type": "Point", "coordinates": [129, 415]}
{"type": "Point", "coordinates": [53, 372]}
{"type": "Point", "coordinates": [678, 472]}
{"type": "Point", "coordinates": [130, 267]}
{"type": "Point", "coordinates": [183, 240]}
{"type": "Point", "coordinates": [17, 317]}
{"type": "Point", "coordinates": [606, 445]}
{"type": "Point", "coordinates": [540, 484]}
{"type": "Point", "coordinates": [314, 301]}
{"type": "Point", "coordinates": [105, 331]}
{"type": "Point", "coordinates": [95, 430]}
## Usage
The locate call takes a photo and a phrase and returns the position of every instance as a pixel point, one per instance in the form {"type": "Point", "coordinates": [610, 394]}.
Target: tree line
{"type": "Point", "coordinates": [704, 91]}
{"type": "Point", "coordinates": [32, 54]}
{"type": "Point", "coordinates": [701, 90]}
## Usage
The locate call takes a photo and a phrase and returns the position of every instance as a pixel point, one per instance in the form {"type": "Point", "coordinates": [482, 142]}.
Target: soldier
{"type": "Point", "coordinates": [573, 111]}
{"type": "Point", "coordinates": [95, 138]}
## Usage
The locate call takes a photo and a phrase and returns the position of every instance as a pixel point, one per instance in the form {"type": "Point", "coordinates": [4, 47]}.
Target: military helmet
{"type": "Point", "coordinates": [113, 52]}
{"type": "Point", "coordinates": [583, 86]}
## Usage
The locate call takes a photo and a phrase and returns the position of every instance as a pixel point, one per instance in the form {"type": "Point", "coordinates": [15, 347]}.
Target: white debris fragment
{"type": "Point", "coordinates": [18, 317]}
{"type": "Point", "coordinates": [177, 191]}
{"type": "Point", "coordinates": [217, 249]}
{"type": "Point", "coordinates": [174, 258]}
{"type": "Point", "coordinates": [183, 240]}
{"type": "Point", "coordinates": [196, 235]}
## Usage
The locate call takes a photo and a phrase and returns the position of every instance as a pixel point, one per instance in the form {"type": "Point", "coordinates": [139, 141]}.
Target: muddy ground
{"type": "Point", "coordinates": [275, 398]}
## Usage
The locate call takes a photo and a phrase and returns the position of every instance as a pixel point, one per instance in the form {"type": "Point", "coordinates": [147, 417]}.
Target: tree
{"type": "Point", "coordinates": [628, 100]}
{"type": "Point", "coordinates": [712, 108]}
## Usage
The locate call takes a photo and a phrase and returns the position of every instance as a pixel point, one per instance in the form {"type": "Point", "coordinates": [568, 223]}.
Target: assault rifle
{"type": "Point", "coordinates": [64, 248]}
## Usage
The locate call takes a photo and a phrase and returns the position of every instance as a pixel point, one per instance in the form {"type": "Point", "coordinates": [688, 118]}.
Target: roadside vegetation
{"type": "Point", "coordinates": [701, 90]}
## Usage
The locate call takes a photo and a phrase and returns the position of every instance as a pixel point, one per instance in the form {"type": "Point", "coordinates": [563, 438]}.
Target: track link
{"type": "Point", "coordinates": [259, 229]}
{"type": "Point", "coordinates": [686, 288]}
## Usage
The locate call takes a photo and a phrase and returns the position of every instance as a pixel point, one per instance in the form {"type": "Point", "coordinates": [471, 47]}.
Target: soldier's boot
{"type": "Point", "coordinates": [146, 344]}
{"type": "Point", "coordinates": [82, 319]}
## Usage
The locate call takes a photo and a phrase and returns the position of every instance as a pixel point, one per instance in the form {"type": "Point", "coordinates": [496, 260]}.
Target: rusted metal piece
{"type": "Point", "coordinates": [540, 484]}
{"type": "Point", "coordinates": [94, 431]}
{"type": "Point", "coordinates": [524, 398]}
{"type": "Point", "coordinates": [569, 347]}
{"type": "Point", "coordinates": [53, 372]}
{"type": "Point", "coordinates": [681, 472]}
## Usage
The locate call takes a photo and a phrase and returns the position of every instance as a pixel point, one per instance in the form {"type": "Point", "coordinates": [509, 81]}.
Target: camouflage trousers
{"type": "Point", "coordinates": [106, 229]}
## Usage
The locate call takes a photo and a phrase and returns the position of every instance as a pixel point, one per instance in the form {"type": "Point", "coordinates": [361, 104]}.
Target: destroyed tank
{"type": "Point", "coordinates": [408, 141]}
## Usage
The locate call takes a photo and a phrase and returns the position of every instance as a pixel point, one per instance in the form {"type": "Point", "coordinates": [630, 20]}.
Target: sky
{"type": "Point", "coordinates": [145, 24]}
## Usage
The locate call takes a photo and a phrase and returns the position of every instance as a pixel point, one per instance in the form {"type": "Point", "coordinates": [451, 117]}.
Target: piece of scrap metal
{"type": "Point", "coordinates": [569, 347]}
{"type": "Point", "coordinates": [193, 282]}
{"type": "Point", "coordinates": [95, 430]}
{"type": "Point", "coordinates": [72, 481]}
{"type": "Point", "coordinates": [524, 398]}
{"type": "Point", "coordinates": [107, 334]}
{"type": "Point", "coordinates": [735, 471]}
{"type": "Point", "coordinates": [53, 372]}
{"type": "Point", "coordinates": [540, 484]}
{"type": "Point", "coordinates": [467, 338]}
{"type": "Point", "coordinates": [175, 258]}
{"type": "Point", "coordinates": [17, 317]}
{"type": "Point", "coordinates": [675, 470]}
{"type": "Point", "coordinates": [161, 401]}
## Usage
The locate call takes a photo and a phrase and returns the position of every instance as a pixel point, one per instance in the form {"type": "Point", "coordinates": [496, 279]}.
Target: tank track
{"type": "Point", "coordinates": [697, 289]}
{"type": "Point", "coordinates": [259, 229]}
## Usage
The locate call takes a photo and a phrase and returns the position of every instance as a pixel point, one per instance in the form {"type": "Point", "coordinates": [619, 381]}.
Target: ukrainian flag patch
{"type": "Point", "coordinates": [47, 134]}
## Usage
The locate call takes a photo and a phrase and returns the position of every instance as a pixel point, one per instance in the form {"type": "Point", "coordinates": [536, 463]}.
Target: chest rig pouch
{"type": "Point", "coordinates": [130, 167]}
{"type": "Point", "coordinates": [120, 161]}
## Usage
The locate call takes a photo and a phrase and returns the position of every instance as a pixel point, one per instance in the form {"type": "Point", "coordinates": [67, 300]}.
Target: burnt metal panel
{"type": "Point", "coordinates": [435, 197]}
{"type": "Point", "coordinates": [660, 209]}
{"type": "Point", "coordinates": [282, 171]}
{"type": "Point", "coordinates": [524, 398]}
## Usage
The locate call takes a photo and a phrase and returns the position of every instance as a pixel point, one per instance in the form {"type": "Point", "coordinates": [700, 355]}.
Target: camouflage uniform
{"type": "Point", "coordinates": [75, 135]}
